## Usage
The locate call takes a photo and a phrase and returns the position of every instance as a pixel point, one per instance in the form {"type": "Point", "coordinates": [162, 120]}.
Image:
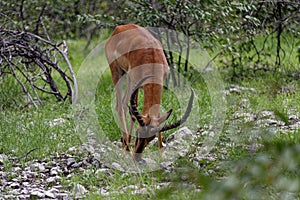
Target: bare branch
{"type": "Point", "coordinates": [37, 61]}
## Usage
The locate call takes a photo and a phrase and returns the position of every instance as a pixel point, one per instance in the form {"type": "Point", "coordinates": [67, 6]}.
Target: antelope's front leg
{"type": "Point", "coordinates": [125, 136]}
{"type": "Point", "coordinates": [130, 131]}
{"type": "Point", "coordinates": [132, 120]}
{"type": "Point", "coordinates": [160, 145]}
{"type": "Point", "coordinates": [122, 116]}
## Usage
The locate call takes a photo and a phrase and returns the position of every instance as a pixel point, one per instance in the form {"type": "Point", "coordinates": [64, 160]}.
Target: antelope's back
{"type": "Point", "coordinates": [138, 52]}
{"type": "Point", "coordinates": [129, 38]}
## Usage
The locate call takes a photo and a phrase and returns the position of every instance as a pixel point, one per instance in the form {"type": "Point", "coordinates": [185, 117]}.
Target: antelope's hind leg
{"type": "Point", "coordinates": [117, 77]}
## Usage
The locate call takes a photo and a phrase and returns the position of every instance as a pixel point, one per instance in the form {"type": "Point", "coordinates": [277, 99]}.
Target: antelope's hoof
{"type": "Point", "coordinates": [127, 148]}
{"type": "Point", "coordinates": [161, 150]}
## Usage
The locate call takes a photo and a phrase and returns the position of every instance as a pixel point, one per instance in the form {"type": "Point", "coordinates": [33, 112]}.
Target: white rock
{"type": "Point", "coordinates": [140, 191]}
{"type": "Point", "coordinates": [104, 192]}
{"type": "Point", "coordinates": [266, 113]}
{"type": "Point", "coordinates": [26, 196]}
{"type": "Point", "coordinates": [49, 194]}
{"type": "Point", "coordinates": [118, 143]}
{"type": "Point", "coordinates": [53, 172]}
{"type": "Point", "coordinates": [165, 164]}
{"type": "Point", "coordinates": [72, 149]}
{"type": "Point", "coordinates": [162, 185]}
{"type": "Point", "coordinates": [15, 180]}
{"type": "Point", "coordinates": [38, 166]}
{"type": "Point", "coordinates": [51, 179]}
{"type": "Point", "coordinates": [37, 193]}
{"type": "Point", "coordinates": [79, 191]}
{"type": "Point", "coordinates": [53, 190]}
{"type": "Point", "coordinates": [293, 117]}
{"type": "Point", "coordinates": [26, 184]}
{"type": "Point", "coordinates": [130, 187]}
{"type": "Point", "coordinates": [14, 185]}
{"type": "Point", "coordinates": [117, 166]}
{"type": "Point", "coordinates": [56, 122]}
{"type": "Point", "coordinates": [102, 170]}
{"type": "Point", "coordinates": [70, 161]}
{"type": "Point", "coordinates": [294, 126]}
{"type": "Point", "coordinates": [62, 196]}
{"type": "Point", "coordinates": [154, 141]}
{"type": "Point", "coordinates": [15, 192]}
{"type": "Point", "coordinates": [3, 158]}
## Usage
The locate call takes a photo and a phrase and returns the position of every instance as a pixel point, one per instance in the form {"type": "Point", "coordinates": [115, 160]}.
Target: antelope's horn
{"type": "Point", "coordinates": [183, 118]}
{"type": "Point", "coordinates": [133, 105]}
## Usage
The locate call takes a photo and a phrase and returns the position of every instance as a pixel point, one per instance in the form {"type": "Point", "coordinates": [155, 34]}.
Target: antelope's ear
{"type": "Point", "coordinates": [165, 116]}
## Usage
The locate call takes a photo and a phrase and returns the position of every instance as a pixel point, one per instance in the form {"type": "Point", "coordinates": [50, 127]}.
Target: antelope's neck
{"type": "Point", "coordinates": [152, 99]}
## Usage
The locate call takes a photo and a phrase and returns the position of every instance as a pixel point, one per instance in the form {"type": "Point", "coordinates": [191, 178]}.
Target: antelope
{"type": "Point", "coordinates": [133, 51]}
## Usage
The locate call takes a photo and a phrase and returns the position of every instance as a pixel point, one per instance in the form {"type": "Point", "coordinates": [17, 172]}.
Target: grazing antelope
{"type": "Point", "coordinates": [133, 51]}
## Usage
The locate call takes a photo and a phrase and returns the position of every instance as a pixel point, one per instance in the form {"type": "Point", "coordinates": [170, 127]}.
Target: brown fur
{"type": "Point", "coordinates": [133, 50]}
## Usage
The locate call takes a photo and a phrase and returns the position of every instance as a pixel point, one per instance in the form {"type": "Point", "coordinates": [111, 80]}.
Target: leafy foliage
{"type": "Point", "coordinates": [245, 37]}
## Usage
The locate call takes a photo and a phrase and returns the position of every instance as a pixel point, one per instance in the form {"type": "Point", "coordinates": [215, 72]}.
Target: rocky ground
{"type": "Point", "coordinates": [48, 178]}
{"type": "Point", "coordinates": [43, 178]}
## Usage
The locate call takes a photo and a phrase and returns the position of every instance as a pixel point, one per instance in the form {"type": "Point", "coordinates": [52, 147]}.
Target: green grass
{"type": "Point", "coordinates": [237, 172]}
{"type": "Point", "coordinates": [34, 134]}
{"type": "Point", "coordinates": [10, 95]}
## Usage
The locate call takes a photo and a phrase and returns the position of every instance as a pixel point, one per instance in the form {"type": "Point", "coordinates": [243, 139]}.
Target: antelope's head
{"type": "Point", "coordinates": [150, 126]}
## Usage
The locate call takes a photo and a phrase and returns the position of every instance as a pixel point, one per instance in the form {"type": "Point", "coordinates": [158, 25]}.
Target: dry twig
{"type": "Point", "coordinates": [36, 63]}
